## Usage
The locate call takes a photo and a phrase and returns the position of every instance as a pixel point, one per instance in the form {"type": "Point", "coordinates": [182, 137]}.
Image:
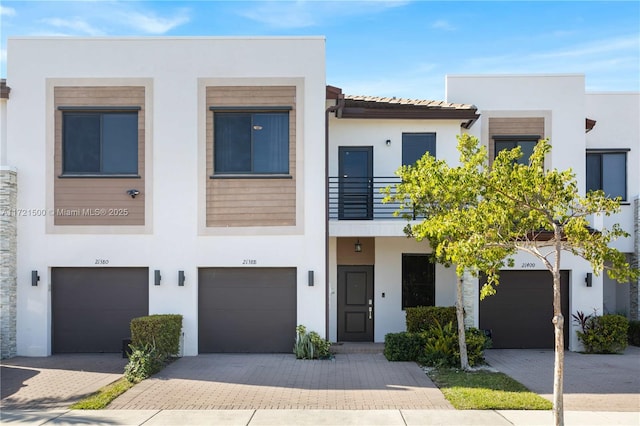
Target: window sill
{"type": "Point", "coordinates": [251, 176]}
{"type": "Point", "coordinates": [99, 176]}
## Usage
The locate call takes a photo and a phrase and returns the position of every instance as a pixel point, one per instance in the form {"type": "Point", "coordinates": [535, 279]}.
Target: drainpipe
{"type": "Point", "coordinates": [332, 109]}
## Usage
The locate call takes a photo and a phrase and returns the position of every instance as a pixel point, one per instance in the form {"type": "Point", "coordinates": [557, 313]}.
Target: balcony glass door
{"type": "Point", "coordinates": [355, 183]}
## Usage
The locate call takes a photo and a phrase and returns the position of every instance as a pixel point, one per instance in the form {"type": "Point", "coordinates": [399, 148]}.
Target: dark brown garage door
{"type": "Point", "coordinates": [92, 307]}
{"type": "Point", "coordinates": [519, 314]}
{"type": "Point", "coordinates": [246, 310]}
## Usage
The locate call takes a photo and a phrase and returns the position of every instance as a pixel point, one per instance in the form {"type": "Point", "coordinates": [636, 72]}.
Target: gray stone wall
{"type": "Point", "coordinates": [634, 306]}
{"type": "Point", "coordinates": [8, 257]}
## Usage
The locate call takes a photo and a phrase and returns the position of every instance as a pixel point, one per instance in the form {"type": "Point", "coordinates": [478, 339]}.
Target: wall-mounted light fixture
{"type": "Point", "coordinates": [157, 277]}
{"type": "Point", "coordinates": [181, 278]}
{"type": "Point", "coordinates": [133, 192]}
{"type": "Point", "coordinates": [588, 279]}
{"type": "Point", "coordinates": [310, 280]}
{"type": "Point", "coordinates": [358, 247]}
{"type": "Point", "coordinates": [34, 278]}
{"type": "Point", "coordinates": [388, 142]}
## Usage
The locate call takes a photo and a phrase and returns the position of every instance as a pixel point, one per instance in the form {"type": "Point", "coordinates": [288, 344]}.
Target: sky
{"type": "Point", "coordinates": [379, 48]}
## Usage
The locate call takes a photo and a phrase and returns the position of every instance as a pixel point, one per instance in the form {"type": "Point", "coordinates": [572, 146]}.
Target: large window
{"type": "Point", "coordinates": [99, 142]}
{"type": "Point", "coordinates": [415, 145]}
{"type": "Point", "coordinates": [607, 170]}
{"type": "Point", "coordinates": [418, 280]}
{"type": "Point", "coordinates": [251, 142]}
{"type": "Point", "coordinates": [526, 144]}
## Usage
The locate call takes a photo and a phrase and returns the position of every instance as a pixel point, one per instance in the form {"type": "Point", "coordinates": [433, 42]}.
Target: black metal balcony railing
{"type": "Point", "coordinates": [353, 198]}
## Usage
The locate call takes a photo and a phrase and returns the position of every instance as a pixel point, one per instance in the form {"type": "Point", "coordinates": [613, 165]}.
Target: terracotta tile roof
{"type": "Point", "coordinates": [386, 102]}
{"type": "Point", "coordinates": [4, 89]}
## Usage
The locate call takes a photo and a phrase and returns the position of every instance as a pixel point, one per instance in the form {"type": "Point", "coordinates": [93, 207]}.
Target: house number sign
{"type": "Point", "coordinates": [249, 262]}
{"type": "Point", "coordinates": [528, 265]}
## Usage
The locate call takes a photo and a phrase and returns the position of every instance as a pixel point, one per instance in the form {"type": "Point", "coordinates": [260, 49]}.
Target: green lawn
{"type": "Point", "coordinates": [485, 390]}
{"type": "Point", "coordinates": [103, 396]}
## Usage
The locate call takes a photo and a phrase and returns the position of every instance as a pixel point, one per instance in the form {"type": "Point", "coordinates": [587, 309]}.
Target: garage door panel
{"type": "Point", "coordinates": [246, 310]}
{"type": "Point", "coordinates": [520, 313]}
{"type": "Point", "coordinates": [93, 307]}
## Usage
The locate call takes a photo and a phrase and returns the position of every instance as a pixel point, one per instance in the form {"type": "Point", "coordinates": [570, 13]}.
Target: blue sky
{"type": "Point", "coordinates": [382, 48]}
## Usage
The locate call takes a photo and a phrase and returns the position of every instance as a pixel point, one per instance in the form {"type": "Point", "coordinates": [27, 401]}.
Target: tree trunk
{"type": "Point", "coordinates": [462, 341]}
{"type": "Point", "coordinates": [558, 323]}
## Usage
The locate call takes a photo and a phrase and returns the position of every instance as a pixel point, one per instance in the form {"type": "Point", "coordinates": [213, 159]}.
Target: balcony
{"type": "Point", "coordinates": [360, 198]}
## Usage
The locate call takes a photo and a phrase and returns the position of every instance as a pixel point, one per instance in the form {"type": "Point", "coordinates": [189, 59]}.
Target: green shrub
{"type": "Point", "coordinates": [604, 334]}
{"type": "Point", "coordinates": [422, 318]}
{"type": "Point", "coordinates": [161, 332]}
{"type": "Point", "coordinates": [634, 333]}
{"type": "Point", "coordinates": [442, 348]}
{"type": "Point", "coordinates": [144, 361]}
{"type": "Point", "coordinates": [310, 345]}
{"type": "Point", "coordinates": [404, 346]}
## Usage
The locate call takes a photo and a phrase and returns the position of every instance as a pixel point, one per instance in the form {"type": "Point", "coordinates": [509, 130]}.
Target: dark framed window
{"type": "Point", "coordinates": [418, 280]}
{"type": "Point", "coordinates": [99, 142]}
{"type": "Point", "coordinates": [251, 142]}
{"type": "Point", "coordinates": [607, 170]}
{"type": "Point", "coordinates": [526, 144]}
{"type": "Point", "coordinates": [415, 145]}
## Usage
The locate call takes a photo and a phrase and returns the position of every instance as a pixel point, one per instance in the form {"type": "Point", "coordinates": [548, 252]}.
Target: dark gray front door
{"type": "Point", "coordinates": [246, 309]}
{"type": "Point", "coordinates": [355, 303]}
{"type": "Point", "coordinates": [92, 307]}
{"type": "Point", "coordinates": [519, 314]}
{"type": "Point", "coordinates": [355, 168]}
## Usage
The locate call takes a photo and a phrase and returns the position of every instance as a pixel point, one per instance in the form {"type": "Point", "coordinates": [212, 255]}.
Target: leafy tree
{"type": "Point", "coordinates": [477, 217]}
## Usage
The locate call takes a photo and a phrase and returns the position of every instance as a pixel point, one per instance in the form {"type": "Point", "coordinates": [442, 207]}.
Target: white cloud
{"type": "Point", "coordinates": [7, 11]}
{"type": "Point", "coordinates": [152, 24]}
{"type": "Point", "coordinates": [442, 24]}
{"type": "Point", "coordinates": [76, 25]}
{"type": "Point", "coordinates": [303, 13]}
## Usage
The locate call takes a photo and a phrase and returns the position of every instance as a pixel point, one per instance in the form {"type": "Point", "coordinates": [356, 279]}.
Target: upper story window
{"type": "Point", "coordinates": [418, 281]}
{"type": "Point", "coordinates": [96, 142]}
{"type": "Point", "coordinates": [248, 142]}
{"type": "Point", "coordinates": [415, 145]}
{"type": "Point", "coordinates": [526, 144]}
{"type": "Point", "coordinates": [607, 170]}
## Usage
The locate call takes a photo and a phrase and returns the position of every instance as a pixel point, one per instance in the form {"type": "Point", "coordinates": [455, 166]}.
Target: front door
{"type": "Point", "coordinates": [355, 168]}
{"type": "Point", "coordinates": [355, 303]}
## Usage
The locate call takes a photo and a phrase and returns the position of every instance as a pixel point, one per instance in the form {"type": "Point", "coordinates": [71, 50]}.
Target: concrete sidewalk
{"type": "Point", "coordinates": [314, 417]}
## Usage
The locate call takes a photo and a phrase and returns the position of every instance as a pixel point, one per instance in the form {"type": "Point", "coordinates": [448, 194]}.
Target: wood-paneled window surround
{"type": "Point", "coordinates": [99, 141]}
{"type": "Point", "coordinates": [251, 142]}
{"type": "Point", "coordinates": [99, 155]}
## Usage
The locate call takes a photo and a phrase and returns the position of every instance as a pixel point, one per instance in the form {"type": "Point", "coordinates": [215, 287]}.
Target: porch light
{"type": "Point", "coordinates": [358, 247]}
{"type": "Point", "coordinates": [181, 278]}
{"type": "Point", "coordinates": [388, 142]}
{"type": "Point", "coordinates": [157, 277]}
{"type": "Point", "coordinates": [588, 279]}
{"type": "Point", "coordinates": [34, 278]}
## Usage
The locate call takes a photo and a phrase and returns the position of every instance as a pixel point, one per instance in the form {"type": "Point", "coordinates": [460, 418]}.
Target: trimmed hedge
{"type": "Point", "coordinates": [423, 318]}
{"type": "Point", "coordinates": [161, 332]}
{"type": "Point", "coordinates": [605, 334]}
{"type": "Point", "coordinates": [634, 333]}
{"type": "Point", "coordinates": [404, 346]}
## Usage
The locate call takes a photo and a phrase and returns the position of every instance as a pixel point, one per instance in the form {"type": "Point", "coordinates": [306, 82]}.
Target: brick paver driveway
{"type": "Point", "coordinates": [591, 382]}
{"type": "Point", "coordinates": [279, 381]}
{"type": "Point", "coordinates": [56, 381]}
